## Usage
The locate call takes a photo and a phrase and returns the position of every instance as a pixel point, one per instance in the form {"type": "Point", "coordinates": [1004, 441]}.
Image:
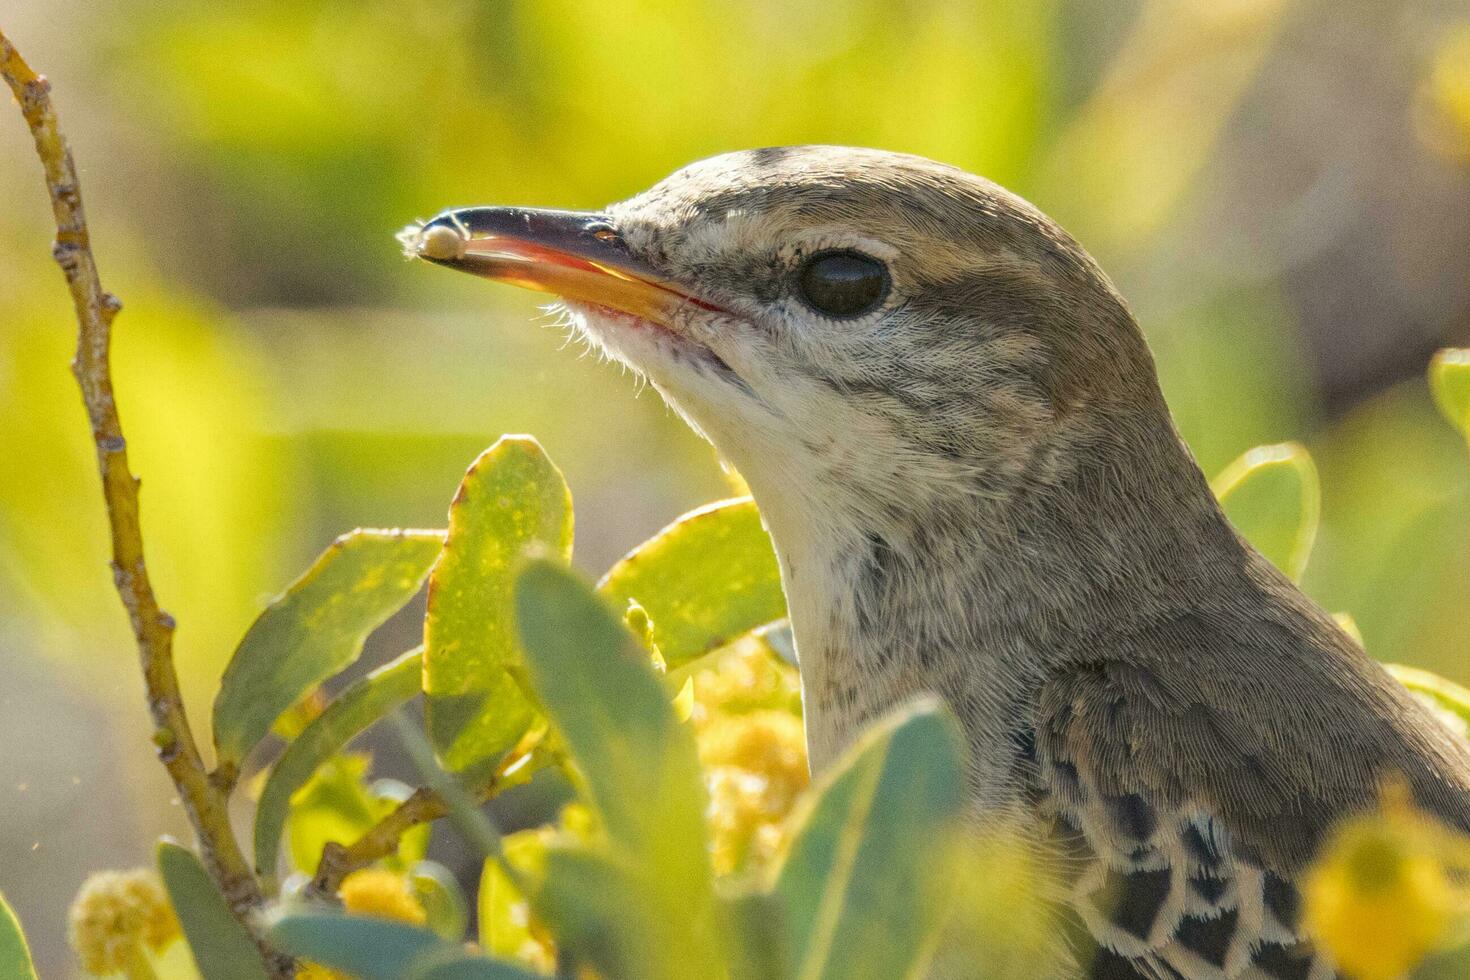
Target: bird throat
{"type": "Point", "coordinates": [976, 602]}
{"type": "Point", "coordinates": [878, 623]}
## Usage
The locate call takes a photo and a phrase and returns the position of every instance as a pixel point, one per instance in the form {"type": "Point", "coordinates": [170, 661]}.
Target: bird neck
{"type": "Point", "coordinates": [976, 598]}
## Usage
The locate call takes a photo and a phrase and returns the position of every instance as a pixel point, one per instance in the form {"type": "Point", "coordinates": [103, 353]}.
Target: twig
{"type": "Point", "coordinates": [477, 828]}
{"type": "Point", "coordinates": [425, 804]}
{"type": "Point", "coordinates": [337, 861]}
{"type": "Point", "coordinates": [153, 628]}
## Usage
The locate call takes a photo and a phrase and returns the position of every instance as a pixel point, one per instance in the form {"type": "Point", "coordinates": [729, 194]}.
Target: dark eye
{"type": "Point", "coordinates": [843, 283]}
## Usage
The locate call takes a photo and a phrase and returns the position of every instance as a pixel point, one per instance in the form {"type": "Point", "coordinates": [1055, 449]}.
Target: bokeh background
{"type": "Point", "coordinates": [1281, 188]}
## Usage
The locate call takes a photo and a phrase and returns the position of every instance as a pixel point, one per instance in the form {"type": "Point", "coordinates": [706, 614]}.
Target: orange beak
{"type": "Point", "coordinates": [576, 255]}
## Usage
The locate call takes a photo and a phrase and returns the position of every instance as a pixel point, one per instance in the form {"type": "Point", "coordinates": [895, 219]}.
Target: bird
{"type": "Point", "coordinates": [954, 430]}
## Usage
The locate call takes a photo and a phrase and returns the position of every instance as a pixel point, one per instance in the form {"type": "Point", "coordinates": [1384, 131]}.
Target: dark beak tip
{"type": "Point", "coordinates": [532, 224]}
{"type": "Point", "coordinates": [445, 219]}
{"type": "Point", "coordinates": [463, 239]}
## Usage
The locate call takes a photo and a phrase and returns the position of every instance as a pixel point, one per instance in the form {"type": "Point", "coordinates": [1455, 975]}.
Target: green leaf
{"type": "Point", "coordinates": [1449, 380]}
{"type": "Point", "coordinates": [468, 818]}
{"type": "Point", "coordinates": [598, 688]}
{"type": "Point", "coordinates": [863, 881]}
{"type": "Point", "coordinates": [1452, 964]}
{"type": "Point", "coordinates": [379, 949]}
{"type": "Point", "coordinates": [222, 949]}
{"type": "Point", "coordinates": [1444, 693]}
{"type": "Point", "coordinates": [704, 580]}
{"type": "Point", "coordinates": [595, 906]}
{"type": "Point", "coordinates": [443, 901]}
{"type": "Point", "coordinates": [503, 920]}
{"type": "Point", "coordinates": [1272, 494]}
{"type": "Point", "coordinates": [459, 965]}
{"type": "Point", "coordinates": [512, 499]}
{"type": "Point", "coordinates": [315, 628]}
{"type": "Point", "coordinates": [759, 946]}
{"type": "Point", "coordinates": [638, 762]}
{"type": "Point", "coordinates": [366, 701]}
{"type": "Point", "coordinates": [15, 955]}
{"type": "Point", "coordinates": [370, 949]}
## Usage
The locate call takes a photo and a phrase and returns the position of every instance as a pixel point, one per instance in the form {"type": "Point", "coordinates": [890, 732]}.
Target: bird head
{"type": "Point", "coordinates": [948, 417]}
{"type": "Point", "coordinates": [861, 333]}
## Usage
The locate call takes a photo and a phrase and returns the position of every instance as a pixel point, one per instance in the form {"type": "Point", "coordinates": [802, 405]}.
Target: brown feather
{"type": "Point", "coordinates": [977, 491]}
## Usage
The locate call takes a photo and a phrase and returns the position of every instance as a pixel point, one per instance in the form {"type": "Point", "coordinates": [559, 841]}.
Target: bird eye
{"type": "Point", "coordinates": [843, 283]}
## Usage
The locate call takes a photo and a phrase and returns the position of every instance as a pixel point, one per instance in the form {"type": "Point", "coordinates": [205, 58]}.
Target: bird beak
{"type": "Point", "coordinates": [574, 254]}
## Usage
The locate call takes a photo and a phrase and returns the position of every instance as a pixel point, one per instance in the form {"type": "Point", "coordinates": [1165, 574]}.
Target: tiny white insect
{"type": "Point", "coordinates": [437, 242]}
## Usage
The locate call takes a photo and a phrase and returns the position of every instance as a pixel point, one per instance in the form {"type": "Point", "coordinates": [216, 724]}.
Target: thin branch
{"type": "Point", "coordinates": [424, 805]}
{"type": "Point", "coordinates": [337, 861]}
{"type": "Point", "coordinates": [153, 628]}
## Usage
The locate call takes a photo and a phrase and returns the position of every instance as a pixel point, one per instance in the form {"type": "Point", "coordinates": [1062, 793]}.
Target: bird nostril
{"type": "Point", "coordinates": [603, 232]}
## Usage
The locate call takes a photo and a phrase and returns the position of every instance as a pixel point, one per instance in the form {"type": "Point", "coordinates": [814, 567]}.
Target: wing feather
{"type": "Point", "coordinates": [1202, 793]}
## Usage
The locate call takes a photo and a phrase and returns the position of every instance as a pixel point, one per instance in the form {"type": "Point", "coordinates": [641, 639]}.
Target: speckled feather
{"type": "Point", "coordinates": [977, 491]}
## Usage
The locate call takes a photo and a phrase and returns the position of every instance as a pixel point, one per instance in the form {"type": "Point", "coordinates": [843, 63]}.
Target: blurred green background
{"type": "Point", "coordinates": [1281, 188]}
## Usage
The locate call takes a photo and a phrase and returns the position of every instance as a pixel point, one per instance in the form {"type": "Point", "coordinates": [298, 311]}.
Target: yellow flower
{"type": "Point", "coordinates": [746, 714]}
{"type": "Point", "coordinates": [747, 678]}
{"type": "Point", "coordinates": [768, 743]}
{"type": "Point", "coordinates": [755, 767]}
{"type": "Point", "coordinates": [118, 914]}
{"type": "Point", "coordinates": [736, 818]}
{"type": "Point", "coordinates": [381, 894]}
{"type": "Point", "coordinates": [1380, 895]}
{"type": "Point", "coordinates": [1445, 98]}
{"type": "Point", "coordinates": [315, 971]}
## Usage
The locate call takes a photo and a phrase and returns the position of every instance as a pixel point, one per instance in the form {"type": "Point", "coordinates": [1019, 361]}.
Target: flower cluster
{"type": "Point", "coordinates": [751, 744]}
{"type": "Point", "coordinates": [117, 918]}
{"type": "Point", "coordinates": [1388, 889]}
